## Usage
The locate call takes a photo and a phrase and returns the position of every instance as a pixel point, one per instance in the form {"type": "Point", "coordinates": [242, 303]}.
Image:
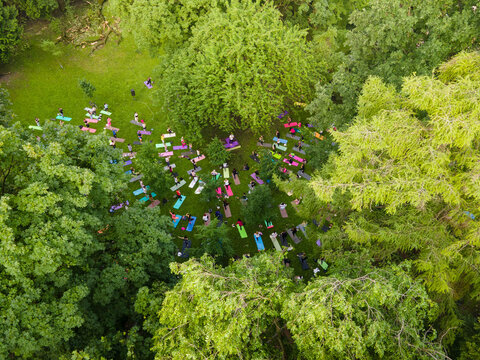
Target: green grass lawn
{"type": "Point", "coordinates": [40, 83]}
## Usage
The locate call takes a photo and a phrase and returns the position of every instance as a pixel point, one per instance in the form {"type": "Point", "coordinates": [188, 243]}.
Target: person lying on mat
{"type": "Point", "coordinates": [260, 139]}
{"type": "Point", "coordinates": [214, 172]}
{"type": "Point", "coordinates": [226, 182]}
{"type": "Point", "coordinates": [246, 167]}
{"type": "Point", "coordinates": [283, 206]}
{"type": "Point", "coordinates": [172, 214]}
{"type": "Point", "coordinates": [239, 223]}
{"type": "Point", "coordinates": [169, 130]}
{"type": "Point", "coordinates": [187, 217]}
{"type": "Point", "coordinates": [257, 233]}
{"type": "Point", "coordinates": [149, 81]}
{"type": "Point", "coordinates": [225, 204]}
{"type": "Point", "coordinates": [234, 172]}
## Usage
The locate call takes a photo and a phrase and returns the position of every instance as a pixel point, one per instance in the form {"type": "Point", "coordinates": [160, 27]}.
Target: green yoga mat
{"type": "Point", "coordinates": [35, 127]}
{"type": "Point", "coordinates": [105, 113]}
{"type": "Point", "coordinates": [241, 231]}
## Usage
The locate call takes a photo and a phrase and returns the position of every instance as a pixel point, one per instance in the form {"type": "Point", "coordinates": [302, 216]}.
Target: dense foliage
{"type": "Point", "coordinates": [10, 31]}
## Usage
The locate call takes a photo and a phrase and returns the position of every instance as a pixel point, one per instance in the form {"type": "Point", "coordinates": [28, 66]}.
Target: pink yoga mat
{"type": "Point", "coordinates": [229, 190]}
{"type": "Point", "coordinates": [283, 213]}
{"type": "Point", "coordinates": [219, 191]}
{"type": "Point", "coordinates": [165, 154]}
{"type": "Point", "coordinates": [295, 157]}
{"type": "Point", "coordinates": [117, 140]}
{"type": "Point", "coordinates": [236, 180]}
{"type": "Point", "coordinates": [293, 163]}
{"type": "Point", "coordinates": [94, 121]}
{"type": "Point", "coordinates": [227, 212]}
{"type": "Point", "coordinates": [88, 129]}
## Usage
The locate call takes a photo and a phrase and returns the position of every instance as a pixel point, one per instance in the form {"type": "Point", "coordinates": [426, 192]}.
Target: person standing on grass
{"type": "Point", "coordinates": [140, 137]}
{"type": "Point", "coordinates": [132, 92]}
{"type": "Point", "coordinates": [129, 146]}
{"type": "Point", "coordinates": [136, 116]}
{"type": "Point", "coordinates": [37, 121]}
{"type": "Point", "coordinates": [114, 133]}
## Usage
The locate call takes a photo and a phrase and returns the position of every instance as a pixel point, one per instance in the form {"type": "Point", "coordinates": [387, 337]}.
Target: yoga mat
{"type": "Point", "coordinates": [257, 179]}
{"type": "Point", "coordinates": [228, 213]}
{"type": "Point", "coordinates": [323, 265]}
{"type": "Point", "coordinates": [93, 116]}
{"type": "Point", "coordinates": [268, 224]}
{"type": "Point", "coordinates": [93, 121]}
{"type": "Point", "coordinates": [182, 147]}
{"type": "Point", "coordinates": [226, 173]}
{"type": "Point", "coordinates": [35, 127]}
{"type": "Point", "coordinates": [292, 164]}
{"type": "Point", "coordinates": [236, 180]}
{"type": "Point", "coordinates": [136, 178]}
{"type": "Point", "coordinates": [287, 125]}
{"type": "Point", "coordinates": [189, 172]}
{"type": "Point", "coordinates": [144, 199]}
{"type": "Point", "coordinates": [176, 187]}
{"type": "Point", "coordinates": [132, 154]}
{"type": "Point", "coordinates": [259, 242]}
{"type": "Point", "coordinates": [229, 190]}
{"type": "Point", "coordinates": [128, 172]}
{"type": "Point", "coordinates": [294, 137]}
{"type": "Point", "coordinates": [154, 203]}
{"type": "Point", "coordinates": [241, 231]}
{"type": "Point", "coordinates": [282, 141]}
{"type": "Point", "coordinates": [276, 156]}
{"type": "Point", "coordinates": [283, 148]}
{"type": "Point", "coordinates": [188, 153]}
{"type": "Point", "coordinates": [165, 154]}
{"type": "Point", "coordinates": [63, 118]}
{"type": "Point", "coordinates": [200, 187]}
{"type": "Point", "coordinates": [144, 132]}
{"type": "Point", "coordinates": [231, 145]}
{"type": "Point", "coordinates": [295, 238]}
{"type": "Point", "coordinates": [295, 157]}
{"type": "Point", "coordinates": [304, 175]}
{"type": "Point", "coordinates": [191, 223]}
{"type": "Point", "coordinates": [137, 143]}
{"type": "Point", "coordinates": [267, 145]}
{"type": "Point", "coordinates": [254, 158]}
{"type": "Point", "coordinates": [299, 151]}
{"type": "Point", "coordinates": [162, 145]}
{"type": "Point", "coordinates": [273, 237]}
{"type": "Point", "coordinates": [128, 162]}
{"type": "Point", "coordinates": [194, 181]}
{"type": "Point", "coordinates": [139, 191]}
{"type": "Point", "coordinates": [88, 129]}
{"type": "Point", "coordinates": [120, 140]}
{"type": "Point", "coordinates": [283, 213]}
{"type": "Point", "coordinates": [108, 113]}
{"type": "Point", "coordinates": [301, 227]}
{"type": "Point", "coordinates": [176, 220]}
{"type": "Point", "coordinates": [87, 109]}
{"type": "Point", "coordinates": [234, 148]}
{"type": "Point", "coordinates": [169, 135]}
{"type": "Point", "coordinates": [173, 166]}
{"type": "Point", "coordinates": [198, 158]}
{"type": "Point", "coordinates": [219, 191]}
{"type": "Point", "coordinates": [179, 202]}
{"type": "Point", "coordinates": [108, 127]}
{"type": "Point", "coordinates": [148, 85]}
{"type": "Point", "coordinates": [136, 123]}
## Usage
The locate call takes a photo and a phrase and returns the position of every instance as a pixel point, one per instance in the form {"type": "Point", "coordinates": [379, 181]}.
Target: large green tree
{"type": "Point", "coordinates": [410, 165]}
{"type": "Point", "coordinates": [239, 68]}
{"type": "Point", "coordinates": [55, 192]}
{"type": "Point", "coordinates": [149, 164]}
{"type": "Point", "coordinates": [392, 39]}
{"type": "Point", "coordinates": [10, 31]}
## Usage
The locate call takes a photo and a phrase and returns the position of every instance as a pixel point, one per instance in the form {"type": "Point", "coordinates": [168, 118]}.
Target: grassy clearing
{"type": "Point", "coordinates": [40, 83]}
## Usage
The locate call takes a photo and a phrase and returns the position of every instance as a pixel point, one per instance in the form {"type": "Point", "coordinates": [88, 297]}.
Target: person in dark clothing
{"type": "Point", "coordinates": [132, 92]}
{"type": "Point", "coordinates": [283, 238]}
{"type": "Point", "coordinates": [246, 167]}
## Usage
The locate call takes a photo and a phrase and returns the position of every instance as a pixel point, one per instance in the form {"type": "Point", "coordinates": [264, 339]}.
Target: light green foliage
{"type": "Point", "coordinates": [218, 312]}
{"type": "Point", "coordinates": [163, 23]}
{"type": "Point", "coordinates": [86, 87]}
{"type": "Point", "coordinates": [216, 152]}
{"type": "Point", "coordinates": [381, 314]}
{"type": "Point", "coordinates": [55, 192]}
{"type": "Point", "coordinates": [239, 68]}
{"type": "Point", "coordinates": [10, 32]}
{"type": "Point", "coordinates": [259, 206]}
{"type": "Point", "coordinates": [153, 173]}
{"type": "Point", "coordinates": [214, 241]}
{"type": "Point", "coordinates": [415, 155]}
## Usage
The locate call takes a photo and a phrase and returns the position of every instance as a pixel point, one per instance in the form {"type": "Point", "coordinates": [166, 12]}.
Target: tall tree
{"type": "Point", "coordinates": [239, 67]}
{"type": "Point", "coordinates": [414, 156]}
{"type": "Point", "coordinates": [259, 206]}
{"type": "Point", "coordinates": [214, 241]}
{"type": "Point", "coordinates": [10, 31]}
{"type": "Point", "coordinates": [55, 195]}
{"type": "Point", "coordinates": [154, 175]}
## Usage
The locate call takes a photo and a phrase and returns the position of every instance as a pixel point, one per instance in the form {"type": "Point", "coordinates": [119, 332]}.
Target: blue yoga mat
{"type": "Point", "coordinates": [283, 141]}
{"type": "Point", "coordinates": [259, 241]}
{"type": "Point", "coordinates": [179, 202]}
{"type": "Point", "coordinates": [191, 223]}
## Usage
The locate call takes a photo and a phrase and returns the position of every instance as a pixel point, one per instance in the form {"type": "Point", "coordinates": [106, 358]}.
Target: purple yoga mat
{"type": "Point", "coordinates": [231, 145]}
{"type": "Point", "coordinates": [147, 85]}
{"type": "Point", "coordinates": [183, 147]}
{"type": "Point", "coordinates": [144, 132]}
{"type": "Point", "coordinates": [127, 162]}
{"type": "Point", "coordinates": [257, 179]}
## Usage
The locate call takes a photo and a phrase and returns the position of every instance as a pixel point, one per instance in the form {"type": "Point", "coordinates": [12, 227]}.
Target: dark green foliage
{"type": "Point", "coordinates": [268, 165]}
{"type": "Point", "coordinates": [216, 152]}
{"type": "Point", "coordinates": [209, 193]}
{"type": "Point", "coordinates": [86, 87]}
{"type": "Point", "coordinates": [5, 108]}
{"type": "Point", "coordinates": [10, 32]}
{"type": "Point", "coordinates": [148, 164]}
{"type": "Point", "coordinates": [35, 9]}
{"type": "Point", "coordinates": [214, 241]}
{"type": "Point", "coordinates": [259, 206]}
